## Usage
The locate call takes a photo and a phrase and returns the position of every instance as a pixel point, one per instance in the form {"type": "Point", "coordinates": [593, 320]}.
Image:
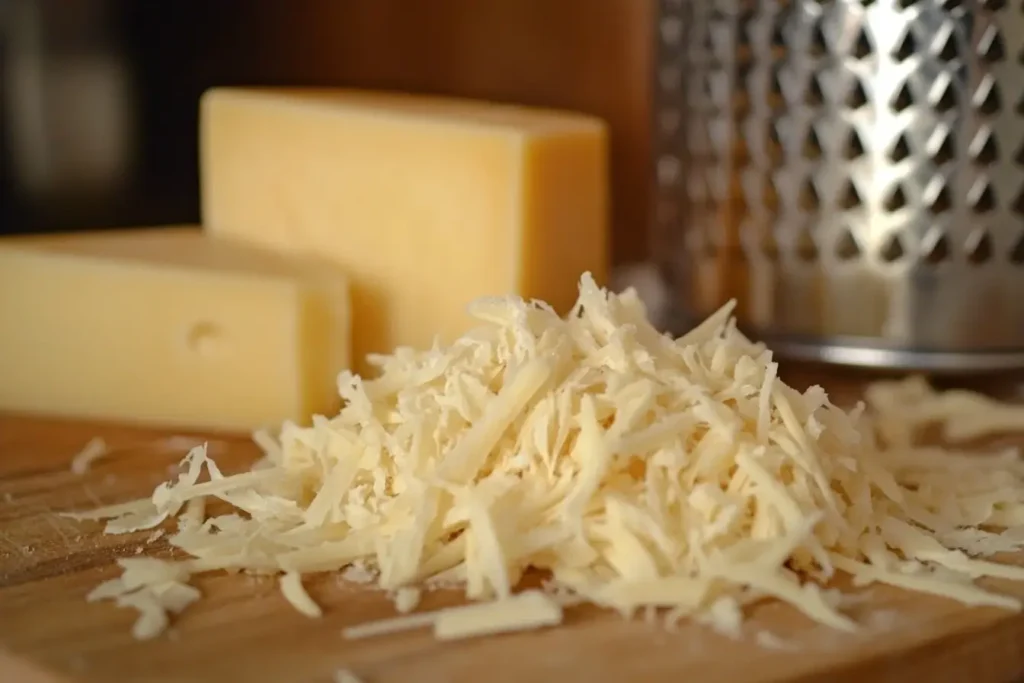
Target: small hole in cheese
{"type": "Point", "coordinates": [204, 338]}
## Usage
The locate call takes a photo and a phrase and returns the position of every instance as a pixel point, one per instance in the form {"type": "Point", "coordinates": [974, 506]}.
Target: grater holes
{"type": "Point", "coordinates": [804, 247]}
{"type": "Point", "coordinates": [903, 99]}
{"type": "Point", "coordinates": [904, 4]}
{"type": "Point", "coordinates": [812, 145]}
{"type": "Point", "coordinates": [941, 202]}
{"type": "Point", "coordinates": [856, 97]}
{"type": "Point", "coordinates": [809, 199]}
{"type": "Point", "coordinates": [948, 50]}
{"type": "Point", "coordinates": [1018, 204]}
{"type": "Point", "coordinates": [942, 148]}
{"type": "Point", "coordinates": [991, 48]}
{"type": "Point", "coordinates": [950, 5]}
{"type": "Point", "coordinates": [900, 149]}
{"type": "Point", "coordinates": [862, 48]}
{"type": "Point", "coordinates": [775, 83]}
{"type": "Point", "coordinates": [895, 200]}
{"type": "Point", "coordinates": [849, 197]}
{"type": "Point", "coordinates": [854, 147]}
{"type": "Point", "coordinates": [813, 95]}
{"type": "Point", "coordinates": [936, 248]}
{"type": "Point", "coordinates": [744, 69]}
{"type": "Point", "coordinates": [846, 247]}
{"type": "Point", "coordinates": [987, 99]}
{"type": "Point", "coordinates": [778, 40]}
{"type": "Point", "coordinates": [946, 99]}
{"type": "Point", "coordinates": [983, 148]}
{"type": "Point", "coordinates": [982, 197]}
{"type": "Point", "coordinates": [892, 250]}
{"type": "Point", "coordinates": [818, 45]}
{"type": "Point", "coordinates": [706, 92]}
{"type": "Point", "coordinates": [770, 196]}
{"type": "Point", "coordinates": [979, 247]}
{"type": "Point", "coordinates": [907, 47]}
{"type": "Point", "coordinates": [1017, 253]}
{"type": "Point", "coordinates": [742, 108]}
{"type": "Point", "coordinates": [774, 146]}
{"type": "Point", "coordinates": [745, 20]}
{"type": "Point", "coordinates": [707, 44]}
{"type": "Point", "coordinates": [742, 156]}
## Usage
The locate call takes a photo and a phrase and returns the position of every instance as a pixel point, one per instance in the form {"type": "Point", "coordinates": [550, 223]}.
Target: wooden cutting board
{"type": "Point", "coordinates": [243, 631]}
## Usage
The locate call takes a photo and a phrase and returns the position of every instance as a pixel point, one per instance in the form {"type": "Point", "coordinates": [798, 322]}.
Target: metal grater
{"type": "Point", "coordinates": [852, 171]}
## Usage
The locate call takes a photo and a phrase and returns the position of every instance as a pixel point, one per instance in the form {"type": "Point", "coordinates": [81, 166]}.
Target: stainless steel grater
{"type": "Point", "coordinates": [852, 171]}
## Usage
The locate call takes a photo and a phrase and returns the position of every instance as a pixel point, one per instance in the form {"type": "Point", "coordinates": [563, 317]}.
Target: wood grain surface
{"type": "Point", "coordinates": [243, 630]}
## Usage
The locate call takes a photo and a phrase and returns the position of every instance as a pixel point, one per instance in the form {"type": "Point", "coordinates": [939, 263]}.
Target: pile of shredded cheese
{"type": "Point", "coordinates": [640, 471]}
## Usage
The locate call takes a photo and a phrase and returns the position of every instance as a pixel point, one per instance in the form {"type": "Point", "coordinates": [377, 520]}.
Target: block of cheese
{"type": "Point", "coordinates": [426, 203]}
{"type": "Point", "coordinates": [167, 326]}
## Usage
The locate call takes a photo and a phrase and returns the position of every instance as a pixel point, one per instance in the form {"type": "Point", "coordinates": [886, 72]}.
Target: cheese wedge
{"type": "Point", "coordinates": [426, 203]}
{"type": "Point", "coordinates": [168, 326]}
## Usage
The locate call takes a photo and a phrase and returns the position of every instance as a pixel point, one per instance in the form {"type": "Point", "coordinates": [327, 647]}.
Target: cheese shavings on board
{"type": "Point", "coordinates": [641, 472]}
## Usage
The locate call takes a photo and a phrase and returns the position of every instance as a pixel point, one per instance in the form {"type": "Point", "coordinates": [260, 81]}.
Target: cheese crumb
{"type": "Point", "coordinates": [527, 610]}
{"type": "Point", "coordinates": [642, 473]}
{"type": "Point", "coordinates": [770, 641]}
{"type": "Point", "coordinates": [346, 676]}
{"type": "Point", "coordinates": [358, 572]}
{"type": "Point", "coordinates": [92, 451]}
{"type": "Point", "coordinates": [406, 599]}
{"type": "Point", "coordinates": [295, 593]}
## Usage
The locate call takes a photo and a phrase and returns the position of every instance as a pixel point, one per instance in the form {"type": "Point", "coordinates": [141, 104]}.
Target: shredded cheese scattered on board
{"type": "Point", "coordinates": [526, 610]}
{"type": "Point", "coordinates": [406, 599]}
{"type": "Point", "coordinates": [295, 593]}
{"type": "Point", "coordinates": [642, 472]}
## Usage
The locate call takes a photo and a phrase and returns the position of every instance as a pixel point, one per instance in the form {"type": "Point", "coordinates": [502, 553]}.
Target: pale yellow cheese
{"type": "Point", "coordinates": [427, 203]}
{"type": "Point", "coordinates": [643, 473]}
{"type": "Point", "coordinates": [528, 610]}
{"type": "Point", "coordinates": [168, 326]}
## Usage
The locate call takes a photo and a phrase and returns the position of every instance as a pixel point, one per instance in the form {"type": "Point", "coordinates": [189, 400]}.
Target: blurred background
{"type": "Point", "coordinates": [100, 97]}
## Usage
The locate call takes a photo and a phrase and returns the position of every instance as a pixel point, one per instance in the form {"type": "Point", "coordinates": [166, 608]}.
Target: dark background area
{"type": "Point", "coordinates": [99, 97]}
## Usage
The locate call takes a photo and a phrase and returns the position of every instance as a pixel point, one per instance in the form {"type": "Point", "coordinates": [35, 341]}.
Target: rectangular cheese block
{"type": "Point", "coordinates": [167, 326]}
{"type": "Point", "coordinates": [426, 203]}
